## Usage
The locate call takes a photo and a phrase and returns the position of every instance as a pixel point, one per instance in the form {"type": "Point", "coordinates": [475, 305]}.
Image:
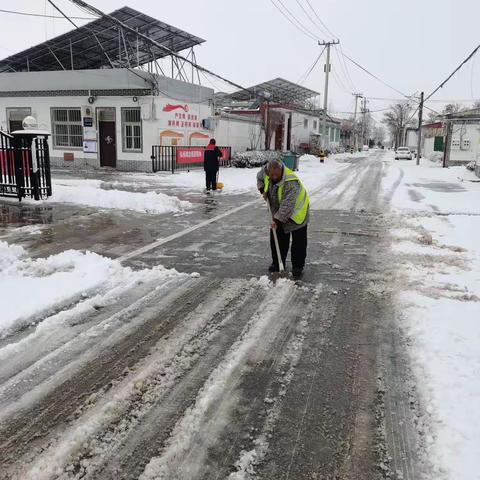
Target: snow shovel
{"type": "Point", "coordinates": [281, 268]}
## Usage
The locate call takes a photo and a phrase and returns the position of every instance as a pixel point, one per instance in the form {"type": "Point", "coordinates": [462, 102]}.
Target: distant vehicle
{"type": "Point", "coordinates": [403, 153]}
{"type": "Point", "coordinates": [365, 148]}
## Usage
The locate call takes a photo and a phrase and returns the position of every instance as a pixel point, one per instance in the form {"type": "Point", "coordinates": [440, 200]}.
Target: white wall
{"type": "Point", "coordinates": [465, 145]}
{"type": "Point", "coordinates": [301, 134]}
{"type": "Point", "coordinates": [155, 122]}
{"type": "Point", "coordinates": [239, 134]}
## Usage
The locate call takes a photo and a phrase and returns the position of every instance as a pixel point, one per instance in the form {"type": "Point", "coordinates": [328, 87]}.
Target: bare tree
{"type": "Point", "coordinates": [378, 135]}
{"type": "Point", "coordinates": [452, 108]}
{"type": "Point", "coordinates": [254, 135]}
{"type": "Point", "coordinates": [397, 119]}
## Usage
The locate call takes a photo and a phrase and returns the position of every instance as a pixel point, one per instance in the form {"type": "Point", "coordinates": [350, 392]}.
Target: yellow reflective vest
{"type": "Point", "coordinates": [302, 201]}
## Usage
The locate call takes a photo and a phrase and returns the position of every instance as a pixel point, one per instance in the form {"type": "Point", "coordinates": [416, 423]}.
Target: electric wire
{"type": "Point", "coordinates": [42, 15]}
{"type": "Point", "coordinates": [307, 73]}
{"type": "Point", "coordinates": [298, 27]}
{"type": "Point", "coordinates": [442, 84]}
{"type": "Point", "coordinates": [96, 11]}
{"type": "Point", "coordinates": [310, 18]}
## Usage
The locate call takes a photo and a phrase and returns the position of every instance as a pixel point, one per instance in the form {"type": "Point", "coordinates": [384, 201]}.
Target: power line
{"type": "Point", "coordinates": [306, 74]}
{"type": "Point", "coordinates": [339, 82]}
{"type": "Point", "coordinates": [374, 76]}
{"type": "Point", "coordinates": [41, 15]}
{"type": "Point", "coordinates": [330, 33]}
{"type": "Point", "coordinates": [297, 26]}
{"type": "Point", "coordinates": [312, 36]}
{"type": "Point", "coordinates": [344, 66]}
{"type": "Point", "coordinates": [343, 71]}
{"type": "Point", "coordinates": [96, 11]}
{"type": "Point", "coordinates": [475, 50]}
{"type": "Point", "coordinates": [311, 20]}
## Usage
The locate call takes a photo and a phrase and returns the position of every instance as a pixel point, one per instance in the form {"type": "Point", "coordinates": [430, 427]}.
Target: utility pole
{"type": "Point", "coordinates": [419, 135]}
{"type": "Point", "coordinates": [355, 136]}
{"type": "Point", "coordinates": [364, 111]}
{"type": "Point", "coordinates": [448, 144]}
{"type": "Point", "coordinates": [325, 98]}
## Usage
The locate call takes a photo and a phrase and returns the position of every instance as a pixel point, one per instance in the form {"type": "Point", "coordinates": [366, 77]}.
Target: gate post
{"type": "Point", "coordinates": [19, 173]}
{"type": "Point", "coordinates": [25, 158]}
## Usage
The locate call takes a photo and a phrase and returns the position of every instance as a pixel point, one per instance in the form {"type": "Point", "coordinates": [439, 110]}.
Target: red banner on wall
{"type": "Point", "coordinates": [195, 155]}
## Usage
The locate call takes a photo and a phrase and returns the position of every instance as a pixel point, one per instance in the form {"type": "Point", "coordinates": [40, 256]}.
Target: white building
{"type": "Point", "coordinates": [289, 110]}
{"type": "Point", "coordinates": [103, 92]}
{"type": "Point", "coordinates": [463, 143]}
{"type": "Point", "coordinates": [106, 117]}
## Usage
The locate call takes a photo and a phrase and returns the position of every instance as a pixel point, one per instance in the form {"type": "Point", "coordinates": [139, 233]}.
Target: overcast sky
{"type": "Point", "coordinates": [410, 44]}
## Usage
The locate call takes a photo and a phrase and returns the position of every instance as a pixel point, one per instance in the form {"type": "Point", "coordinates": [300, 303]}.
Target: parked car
{"type": "Point", "coordinates": [403, 153]}
{"type": "Point", "coordinates": [365, 148]}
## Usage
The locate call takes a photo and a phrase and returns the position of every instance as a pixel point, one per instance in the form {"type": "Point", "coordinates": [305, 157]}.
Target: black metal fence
{"type": "Point", "coordinates": [166, 158]}
{"type": "Point", "coordinates": [24, 166]}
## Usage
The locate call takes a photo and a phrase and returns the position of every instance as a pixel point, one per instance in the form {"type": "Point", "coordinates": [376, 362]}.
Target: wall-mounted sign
{"type": "Point", "coordinates": [88, 121]}
{"type": "Point", "coordinates": [68, 156]}
{"type": "Point", "coordinates": [169, 107]}
{"type": "Point", "coordinates": [90, 146]}
{"type": "Point", "coordinates": [89, 133]}
{"type": "Point", "coordinates": [195, 155]}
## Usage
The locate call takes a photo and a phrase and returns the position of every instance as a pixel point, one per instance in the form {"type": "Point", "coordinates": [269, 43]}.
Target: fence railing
{"type": "Point", "coordinates": [24, 166]}
{"type": "Point", "coordinates": [169, 158]}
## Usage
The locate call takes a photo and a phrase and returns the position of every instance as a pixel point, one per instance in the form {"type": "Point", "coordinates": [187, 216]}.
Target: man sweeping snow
{"type": "Point", "coordinates": [211, 164]}
{"type": "Point", "coordinates": [290, 209]}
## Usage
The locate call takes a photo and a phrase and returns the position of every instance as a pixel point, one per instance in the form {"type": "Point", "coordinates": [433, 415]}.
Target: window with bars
{"type": "Point", "coordinates": [131, 130]}
{"type": "Point", "coordinates": [67, 131]}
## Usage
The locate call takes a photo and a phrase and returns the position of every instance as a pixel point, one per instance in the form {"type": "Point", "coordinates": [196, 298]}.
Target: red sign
{"type": "Point", "coordinates": [195, 155]}
{"type": "Point", "coordinates": [168, 107]}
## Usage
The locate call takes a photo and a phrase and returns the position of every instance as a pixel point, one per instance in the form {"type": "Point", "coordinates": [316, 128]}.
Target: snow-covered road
{"type": "Point", "coordinates": [168, 354]}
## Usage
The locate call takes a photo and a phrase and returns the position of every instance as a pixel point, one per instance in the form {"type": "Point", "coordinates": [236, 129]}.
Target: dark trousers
{"type": "Point", "coordinates": [299, 246]}
{"type": "Point", "coordinates": [211, 179]}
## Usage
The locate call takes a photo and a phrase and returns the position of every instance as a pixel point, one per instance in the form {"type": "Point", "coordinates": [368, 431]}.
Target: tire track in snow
{"type": "Point", "coordinates": [51, 369]}
{"type": "Point", "coordinates": [26, 430]}
{"type": "Point", "coordinates": [51, 333]}
{"type": "Point", "coordinates": [198, 429]}
{"type": "Point", "coordinates": [150, 422]}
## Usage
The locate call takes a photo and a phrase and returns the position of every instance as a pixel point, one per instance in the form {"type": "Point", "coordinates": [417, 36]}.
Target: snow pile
{"type": "Point", "coordinates": [439, 301]}
{"type": "Point", "coordinates": [308, 158]}
{"type": "Point", "coordinates": [8, 255]}
{"type": "Point", "coordinates": [255, 158]}
{"type": "Point", "coordinates": [33, 288]}
{"type": "Point", "coordinates": [90, 193]}
{"type": "Point", "coordinates": [436, 157]}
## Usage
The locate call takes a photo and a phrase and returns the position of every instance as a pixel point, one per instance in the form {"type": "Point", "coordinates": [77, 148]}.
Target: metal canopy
{"type": "Point", "coordinates": [103, 44]}
{"type": "Point", "coordinates": [280, 90]}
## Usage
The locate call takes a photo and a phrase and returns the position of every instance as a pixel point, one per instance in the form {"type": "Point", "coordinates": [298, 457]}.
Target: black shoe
{"type": "Point", "coordinates": [297, 273]}
{"type": "Point", "coordinates": [273, 268]}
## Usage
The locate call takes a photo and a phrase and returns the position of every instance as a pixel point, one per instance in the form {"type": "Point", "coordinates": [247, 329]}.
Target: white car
{"type": "Point", "coordinates": [403, 153]}
{"type": "Point", "coordinates": [365, 148]}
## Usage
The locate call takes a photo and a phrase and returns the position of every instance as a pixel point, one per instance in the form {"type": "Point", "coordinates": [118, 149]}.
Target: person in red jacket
{"type": "Point", "coordinates": [211, 163]}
